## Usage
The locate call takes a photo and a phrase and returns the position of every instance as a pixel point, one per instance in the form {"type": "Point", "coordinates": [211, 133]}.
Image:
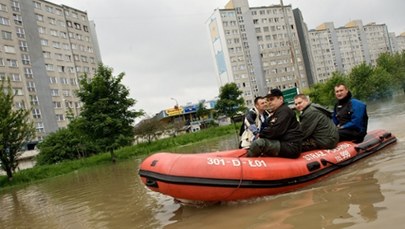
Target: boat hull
{"type": "Point", "coordinates": [230, 175]}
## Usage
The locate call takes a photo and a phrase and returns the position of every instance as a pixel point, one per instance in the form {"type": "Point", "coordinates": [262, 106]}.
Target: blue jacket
{"type": "Point", "coordinates": [351, 115]}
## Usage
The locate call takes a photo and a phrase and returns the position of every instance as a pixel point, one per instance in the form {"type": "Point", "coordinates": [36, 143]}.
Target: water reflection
{"type": "Point", "coordinates": [367, 194]}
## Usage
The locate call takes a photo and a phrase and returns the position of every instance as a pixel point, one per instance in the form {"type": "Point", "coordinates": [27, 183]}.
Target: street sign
{"type": "Point", "coordinates": [289, 95]}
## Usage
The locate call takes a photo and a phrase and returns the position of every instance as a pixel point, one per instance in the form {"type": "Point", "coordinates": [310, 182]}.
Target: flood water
{"type": "Point", "coordinates": [367, 194]}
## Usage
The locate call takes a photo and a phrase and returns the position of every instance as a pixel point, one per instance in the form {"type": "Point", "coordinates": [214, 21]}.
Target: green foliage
{"type": "Point", "coordinates": [360, 82]}
{"type": "Point", "coordinates": [64, 144]}
{"type": "Point", "coordinates": [40, 172]}
{"type": "Point", "coordinates": [394, 64]}
{"type": "Point", "coordinates": [323, 93]}
{"type": "Point", "coordinates": [202, 111]}
{"type": "Point", "coordinates": [15, 130]}
{"type": "Point", "coordinates": [106, 117]}
{"type": "Point", "coordinates": [230, 100]}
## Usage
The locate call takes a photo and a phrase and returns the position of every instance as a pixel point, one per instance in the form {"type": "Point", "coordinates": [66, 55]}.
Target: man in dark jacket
{"type": "Point", "coordinates": [349, 115]}
{"type": "Point", "coordinates": [319, 130]}
{"type": "Point", "coordinates": [281, 135]}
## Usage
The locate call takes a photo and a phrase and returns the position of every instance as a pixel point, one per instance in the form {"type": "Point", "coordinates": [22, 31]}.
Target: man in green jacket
{"type": "Point", "coordinates": [319, 130]}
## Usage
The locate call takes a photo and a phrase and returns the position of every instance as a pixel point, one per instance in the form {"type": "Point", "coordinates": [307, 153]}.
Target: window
{"type": "Point", "coordinates": [6, 35]}
{"type": "Point", "coordinates": [12, 63]}
{"type": "Point", "coordinates": [56, 45]}
{"type": "Point", "coordinates": [53, 80]}
{"type": "Point", "coordinates": [23, 46]}
{"type": "Point", "coordinates": [4, 21]}
{"type": "Point", "coordinates": [3, 8]}
{"type": "Point", "coordinates": [17, 19]}
{"type": "Point", "coordinates": [15, 6]}
{"type": "Point", "coordinates": [78, 26]}
{"type": "Point", "coordinates": [63, 35]}
{"type": "Point", "coordinates": [61, 69]}
{"type": "Point", "coordinates": [28, 73]}
{"type": "Point", "coordinates": [15, 77]}
{"type": "Point", "coordinates": [59, 56]}
{"type": "Point", "coordinates": [57, 104]}
{"type": "Point", "coordinates": [19, 105]}
{"type": "Point", "coordinates": [31, 86]}
{"type": "Point", "coordinates": [49, 67]}
{"type": "Point", "coordinates": [40, 127]}
{"type": "Point", "coordinates": [44, 42]}
{"type": "Point", "coordinates": [18, 91]}
{"type": "Point", "coordinates": [20, 32]}
{"type": "Point", "coordinates": [36, 113]}
{"type": "Point", "coordinates": [73, 81]}
{"type": "Point", "coordinates": [37, 5]}
{"type": "Point", "coordinates": [58, 11]}
{"type": "Point", "coordinates": [52, 21]}
{"type": "Point", "coordinates": [64, 81]}
{"type": "Point", "coordinates": [46, 54]}
{"type": "Point", "coordinates": [49, 9]}
{"type": "Point", "coordinates": [54, 92]}
{"type": "Point", "coordinates": [41, 29]}
{"type": "Point", "coordinates": [34, 100]}
{"type": "Point", "coordinates": [85, 28]}
{"type": "Point", "coordinates": [54, 32]}
{"type": "Point", "coordinates": [59, 117]}
{"type": "Point", "coordinates": [66, 93]}
{"type": "Point", "coordinates": [39, 17]}
{"type": "Point", "coordinates": [25, 59]}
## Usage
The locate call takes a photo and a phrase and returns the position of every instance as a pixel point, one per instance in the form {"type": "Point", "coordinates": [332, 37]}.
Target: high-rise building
{"type": "Point", "coordinates": [44, 50]}
{"type": "Point", "coordinates": [341, 49]}
{"type": "Point", "coordinates": [257, 48]}
{"type": "Point", "coordinates": [400, 41]}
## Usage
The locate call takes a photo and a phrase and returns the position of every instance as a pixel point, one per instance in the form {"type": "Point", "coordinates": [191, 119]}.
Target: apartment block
{"type": "Point", "coordinates": [257, 48]}
{"type": "Point", "coordinates": [45, 48]}
{"type": "Point", "coordinates": [400, 42]}
{"type": "Point", "coordinates": [341, 49]}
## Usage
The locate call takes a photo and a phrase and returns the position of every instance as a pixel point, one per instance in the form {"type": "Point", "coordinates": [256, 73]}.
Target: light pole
{"type": "Point", "coordinates": [177, 103]}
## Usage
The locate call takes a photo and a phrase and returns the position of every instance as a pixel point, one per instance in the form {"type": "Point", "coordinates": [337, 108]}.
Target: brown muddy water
{"type": "Point", "coordinates": [367, 194]}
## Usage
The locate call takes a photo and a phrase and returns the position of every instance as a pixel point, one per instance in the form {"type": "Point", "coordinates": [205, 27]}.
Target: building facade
{"type": "Point", "coordinates": [341, 49]}
{"type": "Point", "coordinates": [257, 48]}
{"type": "Point", "coordinates": [45, 49]}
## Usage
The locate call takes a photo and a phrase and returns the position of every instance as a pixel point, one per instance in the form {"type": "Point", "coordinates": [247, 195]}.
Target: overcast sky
{"type": "Point", "coordinates": [162, 46]}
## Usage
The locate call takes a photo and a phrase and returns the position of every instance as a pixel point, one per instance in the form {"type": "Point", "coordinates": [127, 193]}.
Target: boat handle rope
{"type": "Point", "coordinates": [241, 175]}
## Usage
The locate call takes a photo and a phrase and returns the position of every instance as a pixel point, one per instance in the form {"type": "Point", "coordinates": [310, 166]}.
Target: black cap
{"type": "Point", "coordinates": [274, 92]}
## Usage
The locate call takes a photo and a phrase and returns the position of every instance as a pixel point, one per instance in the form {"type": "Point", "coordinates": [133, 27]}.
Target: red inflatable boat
{"type": "Point", "coordinates": [230, 175]}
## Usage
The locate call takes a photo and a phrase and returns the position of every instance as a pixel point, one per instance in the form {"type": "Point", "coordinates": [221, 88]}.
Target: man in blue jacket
{"type": "Point", "coordinates": [349, 115]}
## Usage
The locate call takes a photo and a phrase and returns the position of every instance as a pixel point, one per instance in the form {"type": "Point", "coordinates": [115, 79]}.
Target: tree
{"type": "Point", "coordinates": [65, 144]}
{"type": "Point", "coordinates": [149, 129]}
{"type": "Point", "coordinates": [16, 129]}
{"type": "Point", "coordinates": [358, 78]}
{"type": "Point", "coordinates": [106, 116]}
{"type": "Point", "coordinates": [230, 101]}
{"type": "Point", "coordinates": [202, 111]}
{"type": "Point", "coordinates": [324, 93]}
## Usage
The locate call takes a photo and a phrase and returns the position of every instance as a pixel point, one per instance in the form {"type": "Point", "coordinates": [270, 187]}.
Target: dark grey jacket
{"type": "Point", "coordinates": [318, 128]}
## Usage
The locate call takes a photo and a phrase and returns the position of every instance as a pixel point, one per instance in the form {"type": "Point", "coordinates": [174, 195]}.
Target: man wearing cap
{"type": "Point", "coordinates": [280, 135]}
